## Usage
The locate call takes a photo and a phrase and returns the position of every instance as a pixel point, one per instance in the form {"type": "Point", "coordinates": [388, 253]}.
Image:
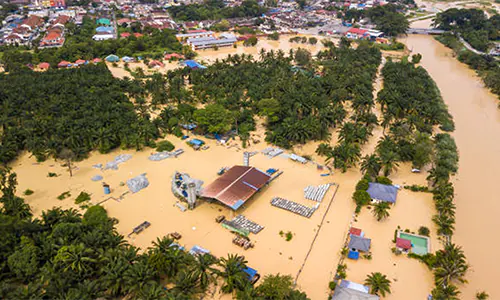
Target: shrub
{"type": "Point", "coordinates": [362, 185]}
{"type": "Point", "coordinates": [417, 188]}
{"type": "Point", "coordinates": [358, 209]}
{"type": "Point", "coordinates": [383, 180]}
{"type": "Point", "coordinates": [52, 174]}
{"type": "Point", "coordinates": [332, 285]}
{"type": "Point", "coordinates": [424, 231]}
{"type": "Point", "coordinates": [64, 195]}
{"type": "Point", "coordinates": [82, 198]}
{"type": "Point", "coordinates": [361, 198]}
{"type": "Point", "coordinates": [288, 236]}
{"type": "Point", "coordinates": [28, 192]}
{"type": "Point", "coordinates": [165, 146]}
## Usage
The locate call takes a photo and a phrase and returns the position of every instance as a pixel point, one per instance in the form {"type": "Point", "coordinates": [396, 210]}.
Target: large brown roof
{"type": "Point", "coordinates": [236, 186]}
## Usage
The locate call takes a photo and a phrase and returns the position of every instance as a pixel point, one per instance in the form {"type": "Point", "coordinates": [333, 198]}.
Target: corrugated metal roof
{"type": "Point", "coordinates": [382, 192]}
{"type": "Point", "coordinates": [236, 186]}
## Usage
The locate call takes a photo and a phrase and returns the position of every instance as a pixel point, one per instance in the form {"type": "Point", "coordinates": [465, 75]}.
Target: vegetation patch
{"type": "Point", "coordinates": [64, 195]}
{"type": "Point", "coordinates": [164, 146]}
{"type": "Point", "coordinates": [28, 192]}
{"type": "Point", "coordinates": [82, 197]}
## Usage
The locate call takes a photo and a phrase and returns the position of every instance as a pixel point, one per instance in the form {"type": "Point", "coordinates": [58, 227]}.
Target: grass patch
{"type": "Point", "coordinates": [28, 192]}
{"type": "Point", "coordinates": [64, 195]}
{"type": "Point", "coordinates": [83, 197]}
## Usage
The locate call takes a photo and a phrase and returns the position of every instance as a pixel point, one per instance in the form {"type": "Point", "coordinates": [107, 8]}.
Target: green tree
{"type": "Point", "coordinates": [214, 118]}
{"type": "Point", "coordinates": [482, 295]}
{"type": "Point", "coordinates": [450, 265]}
{"type": "Point", "coordinates": [371, 165]}
{"type": "Point", "coordinates": [25, 260]}
{"type": "Point", "coordinates": [381, 210]}
{"type": "Point", "coordinates": [232, 273]}
{"type": "Point", "coordinates": [203, 269]}
{"type": "Point", "coordinates": [323, 149]}
{"type": "Point", "coordinates": [279, 287]}
{"type": "Point", "coordinates": [302, 57]}
{"type": "Point", "coordinates": [379, 284]}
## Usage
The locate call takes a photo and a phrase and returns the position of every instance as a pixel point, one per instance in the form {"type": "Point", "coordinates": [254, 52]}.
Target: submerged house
{"type": "Point", "coordinates": [382, 192]}
{"type": "Point", "coordinates": [348, 290]}
{"type": "Point", "coordinates": [359, 244]}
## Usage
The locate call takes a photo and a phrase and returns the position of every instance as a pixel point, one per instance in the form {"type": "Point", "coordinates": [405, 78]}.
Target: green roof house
{"type": "Point", "coordinates": [112, 58]}
{"type": "Point", "coordinates": [104, 21]}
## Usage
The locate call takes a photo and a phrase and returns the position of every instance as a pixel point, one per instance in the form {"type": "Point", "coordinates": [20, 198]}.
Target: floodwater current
{"type": "Point", "coordinates": [477, 120]}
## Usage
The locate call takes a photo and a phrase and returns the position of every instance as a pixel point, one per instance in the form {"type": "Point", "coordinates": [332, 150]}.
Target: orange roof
{"type": "Point", "coordinates": [174, 55]}
{"type": "Point", "coordinates": [137, 34]}
{"type": "Point", "coordinates": [43, 65]}
{"type": "Point", "coordinates": [355, 231]}
{"type": "Point", "coordinates": [52, 35]}
{"type": "Point", "coordinates": [125, 34]}
{"type": "Point", "coordinates": [63, 63]}
{"type": "Point", "coordinates": [80, 61]}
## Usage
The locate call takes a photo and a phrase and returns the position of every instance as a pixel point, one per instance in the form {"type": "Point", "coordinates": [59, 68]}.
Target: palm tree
{"type": "Point", "coordinates": [447, 292]}
{"type": "Point", "coordinates": [113, 278]}
{"type": "Point", "coordinates": [323, 149]}
{"type": "Point", "coordinates": [450, 265]}
{"type": "Point", "coordinates": [77, 258]}
{"type": "Point", "coordinates": [186, 284]}
{"type": "Point", "coordinates": [139, 275]}
{"type": "Point", "coordinates": [378, 283]}
{"type": "Point", "coordinates": [203, 269]}
{"type": "Point", "coordinates": [445, 224]}
{"type": "Point", "coordinates": [151, 291]}
{"type": "Point", "coordinates": [371, 165]}
{"type": "Point", "coordinates": [232, 273]}
{"type": "Point", "coordinates": [381, 210]}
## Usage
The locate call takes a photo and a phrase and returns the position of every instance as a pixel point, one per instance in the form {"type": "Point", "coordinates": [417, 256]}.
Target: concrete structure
{"type": "Point", "coordinates": [194, 34]}
{"type": "Point", "coordinates": [227, 40]}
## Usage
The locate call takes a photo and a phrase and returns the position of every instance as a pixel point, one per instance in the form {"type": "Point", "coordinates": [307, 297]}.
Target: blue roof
{"type": "Point", "coordinates": [196, 142]}
{"type": "Point", "coordinates": [194, 65]}
{"type": "Point", "coordinates": [104, 29]}
{"type": "Point", "coordinates": [250, 272]}
{"type": "Point", "coordinates": [353, 255]}
{"type": "Point", "coordinates": [237, 204]}
{"type": "Point", "coordinates": [383, 192]}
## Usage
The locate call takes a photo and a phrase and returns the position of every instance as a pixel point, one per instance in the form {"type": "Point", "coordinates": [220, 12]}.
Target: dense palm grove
{"type": "Point", "coordinates": [64, 255]}
{"type": "Point", "coordinates": [78, 109]}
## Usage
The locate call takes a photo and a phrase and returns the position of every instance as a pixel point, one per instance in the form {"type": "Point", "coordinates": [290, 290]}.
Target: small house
{"type": "Point", "coordinates": [64, 64]}
{"type": "Point", "coordinates": [349, 291]}
{"type": "Point", "coordinates": [43, 66]}
{"type": "Point", "coordinates": [96, 60]}
{"type": "Point", "coordinates": [155, 64]}
{"type": "Point", "coordinates": [196, 143]}
{"type": "Point", "coordinates": [128, 59]}
{"type": "Point", "coordinates": [80, 62]}
{"type": "Point", "coordinates": [125, 34]}
{"type": "Point", "coordinates": [403, 245]}
{"type": "Point", "coordinates": [359, 244]}
{"type": "Point", "coordinates": [112, 58]}
{"type": "Point", "coordinates": [173, 56]}
{"type": "Point", "coordinates": [356, 232]}
{"type": "Point", "coordinates": [138, 35]}
{"type": "Point", "coordinates": [382, 192]}
{"type": "Point", "coordinates": [194, 65]}
{"type": "Point", "coordinates": [104, 21]}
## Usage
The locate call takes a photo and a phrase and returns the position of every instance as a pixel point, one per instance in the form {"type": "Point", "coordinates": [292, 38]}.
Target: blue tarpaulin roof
{"type": "Point", "coordinates": [104, 29]}
{"type": "Point", "coordinates": [353, 255]}
{"type": "Point", "coordinates": [194, 65]}
{"type": "Point", "coordinates": [196, 142]}
{"type": "Point", "coordinates": [250, 272]}
{"type": "Point", "coordinates": [382, 192]}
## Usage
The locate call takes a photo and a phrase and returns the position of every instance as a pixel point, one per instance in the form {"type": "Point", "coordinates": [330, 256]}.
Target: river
{"type": "Point", "coordinates": [477, 120]}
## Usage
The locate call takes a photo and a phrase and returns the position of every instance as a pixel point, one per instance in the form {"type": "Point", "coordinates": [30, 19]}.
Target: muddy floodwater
{"type": "Point", "coordinates": [477, 120]}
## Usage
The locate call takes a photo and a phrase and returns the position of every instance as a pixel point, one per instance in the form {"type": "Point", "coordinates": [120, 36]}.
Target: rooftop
{"type": "Point", "coordinates": [382, 192]}
{"type": "Point", "coordinates": [359, 243]}
{"type": "Point", "coordinates": [236, 186]}
{"type": "Point", "coordinates": [343, 293]}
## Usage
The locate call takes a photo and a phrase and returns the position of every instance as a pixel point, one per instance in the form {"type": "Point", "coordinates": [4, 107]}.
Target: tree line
{"type": "Point", "coordinates": [79, 45]}
{"type": "Point", "coordinates": [215, 10]}
{"type": "Point", "coordinates": [387, 18]}
{"type": "Point", "coordinates": [77, 109]}
{"type": "Point", "coordinates": [66, 255]}
{"type": "Point", "coordinates": [473, 24]}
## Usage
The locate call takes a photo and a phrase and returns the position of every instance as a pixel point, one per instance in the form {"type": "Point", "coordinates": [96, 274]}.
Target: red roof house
{"type": "Point", "coordinates": [357, 33]}
{"type": "Point", "coordinates": [63, 64]}
{"type": "Point", "coordinates": [173, 56]}
{"type": "Point", "coordinates": [44, 66]}
{"type": "Point", "coordinates": [137, 34]}
{"type": "Point", "coordinates": [96, 60]}
{"type": "Point", "coordinates": [355, 231]}
{"type": "Point", "coordinates": [155, 63]}
{"type": "Point", "coordinates": [80, 62]}
{"type": "Point", "coordinates": [125, 34]}
{"type": "Point", "coordinates": [403, 244]}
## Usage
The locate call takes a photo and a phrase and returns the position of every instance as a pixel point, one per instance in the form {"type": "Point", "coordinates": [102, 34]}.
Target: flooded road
{"type": "Point", "coordinates": [477, 120]}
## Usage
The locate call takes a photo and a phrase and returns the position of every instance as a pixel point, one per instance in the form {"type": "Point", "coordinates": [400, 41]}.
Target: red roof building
{"type": "Point", "coordinates": [63, 64]}
{"type": "Point", "coordinates": [403, 244]}
{"type": "Point", "coordinates": [123, 21]}
{"type": "Point", "coordinates": [236, 186]}
{"type": "Point", "coordinates": [80, 62]}
{"type": "Point", "coordinates": [155, 63]}
{"type": "Point", "coordinates": [355, 231]}
{"type": "Point", "coordinates": [357, 33]}
{"type": "Point", "coordinates": [32, 22]}
{"type": "Point", "coordinates": [96, 60]}
{"type": "Point", "coordinates": [43, 66]}
{"type": "Point", "coordinates": [173, 56]}
{"type": "Point", "coordinates": [125, 34]}
{"type": "Point", "coordinates": [138, 35]}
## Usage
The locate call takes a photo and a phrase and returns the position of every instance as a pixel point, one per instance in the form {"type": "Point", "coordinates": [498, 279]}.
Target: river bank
{"type": "Point", "coordinates": [477, 122]}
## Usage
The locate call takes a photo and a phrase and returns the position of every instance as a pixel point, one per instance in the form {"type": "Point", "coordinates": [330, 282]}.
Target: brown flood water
{"type": "Point", "coordinates": [477, 120]}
